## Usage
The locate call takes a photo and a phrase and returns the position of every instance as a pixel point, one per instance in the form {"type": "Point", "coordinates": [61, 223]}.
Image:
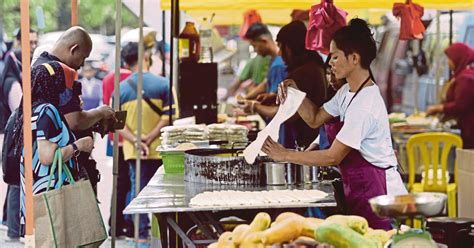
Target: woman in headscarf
{"type": "Point", "coordinates": [52, 87]}
{"type": "Point", "coordinates": [460, 96]}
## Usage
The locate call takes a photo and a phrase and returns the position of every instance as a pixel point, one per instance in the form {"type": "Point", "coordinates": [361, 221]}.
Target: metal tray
{"type": "Point", "coordinates": [410, 205]}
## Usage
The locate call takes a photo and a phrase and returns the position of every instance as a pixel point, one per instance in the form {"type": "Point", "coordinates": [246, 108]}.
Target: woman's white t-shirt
{"type": "Point", "coordinates": [366, 129]}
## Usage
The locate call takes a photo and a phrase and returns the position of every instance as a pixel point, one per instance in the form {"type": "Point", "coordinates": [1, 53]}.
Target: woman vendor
{"type": "Point", "coordinates": [361, 144]}
{"type": "Point", "coordinates": [460, 96]}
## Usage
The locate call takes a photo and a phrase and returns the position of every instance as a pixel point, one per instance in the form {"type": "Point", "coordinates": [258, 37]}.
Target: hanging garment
{"type": "Point", "coordinates": [410, 15]}
{"type": "Point", "coordinates": [324, 20]}
{"type": "Point", "coordinates": [250, 17]}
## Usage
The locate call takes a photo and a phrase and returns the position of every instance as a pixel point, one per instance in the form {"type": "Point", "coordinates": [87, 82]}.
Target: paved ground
{"type": "Point", "coordinates": [104, 188]}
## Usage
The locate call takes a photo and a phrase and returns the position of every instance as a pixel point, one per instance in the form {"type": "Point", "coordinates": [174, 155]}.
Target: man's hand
{"type": "Point", "coordinates": [145, 150]}
{"type": "Point", "coordinates": [107, 112]}
{"type": "Point", "coordinates": [85, 144]}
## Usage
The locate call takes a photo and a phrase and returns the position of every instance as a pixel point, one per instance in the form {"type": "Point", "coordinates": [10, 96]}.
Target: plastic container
{"type": "Point", "coordinates": [173, 162]}
{"type": "Point", "coordinates": [189, 44]}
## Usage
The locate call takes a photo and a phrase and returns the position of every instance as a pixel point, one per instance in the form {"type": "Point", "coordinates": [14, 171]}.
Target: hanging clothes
{"type": "Point", "coordinates": [324, 20]}
{"type": "Point", "coordinates": [410, 15]}
{"type": "Point", "coordinates": [250, 17]}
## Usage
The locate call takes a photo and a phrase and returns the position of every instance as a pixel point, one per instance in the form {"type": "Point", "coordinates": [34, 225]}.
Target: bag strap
{"type": "Point", "coordinates": [58, 162]}
{"type": "Point", "coordinates": [147, 100]}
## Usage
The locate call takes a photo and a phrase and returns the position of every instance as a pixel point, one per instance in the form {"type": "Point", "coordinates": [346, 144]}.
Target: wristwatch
{"type": "Point", "coordinates": [76, 150]}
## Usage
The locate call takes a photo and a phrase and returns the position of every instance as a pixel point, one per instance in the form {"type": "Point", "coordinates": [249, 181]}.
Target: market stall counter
{"type": "Point", "coordinates": [166, 195]}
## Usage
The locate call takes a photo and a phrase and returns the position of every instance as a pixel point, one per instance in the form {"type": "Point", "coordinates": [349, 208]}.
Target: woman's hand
{"type": "Point", "coordinates": [283, 90]}
{"type": "Point", "coordinates": [249, 106]}
{"type": "Point", "coordinates": [267, 98]}
{"type": "Point", "coordinates": [435, 109]}
{"type": "Point", "coordinates": [85, 144]}
{"type": "Point", "coordinates": [274, 150]}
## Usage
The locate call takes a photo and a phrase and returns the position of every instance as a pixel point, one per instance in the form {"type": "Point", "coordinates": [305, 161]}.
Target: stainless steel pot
{"type": "Point", "coordinates": [279, 173]}
{"type": "Point", "coordinates": [304, 174]}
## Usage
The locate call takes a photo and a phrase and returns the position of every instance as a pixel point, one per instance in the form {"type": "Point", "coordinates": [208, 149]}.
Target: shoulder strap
{"type": "Point", "coordinates": [147, 100]}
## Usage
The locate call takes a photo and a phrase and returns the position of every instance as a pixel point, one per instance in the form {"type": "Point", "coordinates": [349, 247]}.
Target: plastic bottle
{"type": "Point", "coordinates": [189, 44]}
{"type": "Point", "coordinates": [205, 34]}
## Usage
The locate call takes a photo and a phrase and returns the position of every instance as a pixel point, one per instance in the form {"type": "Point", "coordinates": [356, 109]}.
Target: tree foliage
{"type": "Point", "coordinates": [96, 16]}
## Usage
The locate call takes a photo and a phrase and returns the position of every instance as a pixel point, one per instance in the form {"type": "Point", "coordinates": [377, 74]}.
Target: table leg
{"type": "Point", "coordinates": [214, 222]}
{"type": "Point", "coordinates": [175, 229]}
{"type": "Point", "coordinates": [163, 224]}
{"type": "Point", "coordinates": [203, 226]}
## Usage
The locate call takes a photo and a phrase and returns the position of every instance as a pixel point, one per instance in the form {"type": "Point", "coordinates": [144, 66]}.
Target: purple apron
{"type": "Point", "coordinates": [361, 180]}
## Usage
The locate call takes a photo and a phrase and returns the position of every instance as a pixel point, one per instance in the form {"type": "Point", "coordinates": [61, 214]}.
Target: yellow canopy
{"type": "Point", "coordinates": [277, 16]}
{"type": "Point", "coordinates": [306, 4]}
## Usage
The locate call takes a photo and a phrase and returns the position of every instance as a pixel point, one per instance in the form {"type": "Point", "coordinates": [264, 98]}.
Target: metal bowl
{"type": "Point", "coordinates": [410, 205]}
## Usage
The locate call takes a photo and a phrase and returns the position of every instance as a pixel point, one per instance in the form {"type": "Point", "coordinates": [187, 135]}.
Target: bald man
{"type": "Point", "coordinates": [71, 49]}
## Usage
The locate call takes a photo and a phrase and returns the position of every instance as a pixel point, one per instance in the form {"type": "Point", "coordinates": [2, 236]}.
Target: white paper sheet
{"type": "Point", "coordinates": [285, 111]}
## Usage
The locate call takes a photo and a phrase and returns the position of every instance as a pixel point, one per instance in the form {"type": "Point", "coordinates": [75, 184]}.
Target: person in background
{"type": "Point", "coordinates": [124, 224]}
{"type": "Point", "coordinates": [10, 97]}
{"type": "Point", "coordinates": [71, 50]}
{"type": "Point", "coordinates": [459, 102]}
{"type": "Point", "coordinates": [156, 110]}
{"type": "Point", "coordinates": [91, 87]}
{"type": "Point", "coordinates": [262, 41]}
{"type": "Point", "coordinates": [255, 71]}
{"type": "Point", "coordinates": [305, 67]}
{"type": "Point", "coordinates": [321, 142]}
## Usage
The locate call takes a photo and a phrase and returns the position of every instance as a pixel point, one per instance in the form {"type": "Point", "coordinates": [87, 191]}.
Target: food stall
{"type": "Point", "coordinates": [168, 194]}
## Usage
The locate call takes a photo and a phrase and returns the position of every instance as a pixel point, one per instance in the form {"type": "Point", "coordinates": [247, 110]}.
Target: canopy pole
{"type": "Point", "coordinates": [115, 170]}
{"type": "Point", "coordinates": [139, 117]}
{"type": "Point", "coordinates": [438, 56]}
{"type": "Point", "coordinates": [450, 27]}
{"type": "Point", "coordinates": [27, 135]}
{"type": "Point", "coordinates": [73, 13]}
{"type": "Point", "coordinates": [163, 37]}
{"type": "Point", "coordinates": [174, 32]}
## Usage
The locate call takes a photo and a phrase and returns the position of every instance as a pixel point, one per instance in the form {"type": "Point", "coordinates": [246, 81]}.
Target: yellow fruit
{"type": "Point", "coordinates": [252, 240]}
{"type": "Point", "coordinates": [225, 241]}
{"type": "Point", "coordinates": [286, 215]}
{"type": "Point", "coordinates": [286, 230]}
{"type": "Point", "coordinates": [260, 223]}
{"type": "Point", "coordinates": [239, 232]}
{"type": "Point", "coordinates": [356, 223]}
{"type": "Point", "coordinates": [309, 225]}
{"type": "Point", "coordinates": [379, 235]}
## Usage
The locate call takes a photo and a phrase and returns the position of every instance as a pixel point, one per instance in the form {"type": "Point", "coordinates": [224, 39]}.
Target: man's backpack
{"type": "Point", "coordinates": [10, 160]}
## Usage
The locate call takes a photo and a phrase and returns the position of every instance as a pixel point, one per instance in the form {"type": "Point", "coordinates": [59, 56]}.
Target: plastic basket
{"type": "Point", "coordinates": [173, 162]}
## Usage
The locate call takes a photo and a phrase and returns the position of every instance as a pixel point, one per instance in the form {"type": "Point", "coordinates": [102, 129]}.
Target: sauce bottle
{"type": "Point", "coordinates": [189, 44]}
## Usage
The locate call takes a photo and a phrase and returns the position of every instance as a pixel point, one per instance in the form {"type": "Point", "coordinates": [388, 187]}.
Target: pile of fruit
{"type": "Point", "coordinates": [293, 230]}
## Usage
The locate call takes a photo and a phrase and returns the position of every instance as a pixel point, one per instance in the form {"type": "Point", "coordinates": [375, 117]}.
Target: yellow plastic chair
{"type": "Point", "coordinates": [428, 145]}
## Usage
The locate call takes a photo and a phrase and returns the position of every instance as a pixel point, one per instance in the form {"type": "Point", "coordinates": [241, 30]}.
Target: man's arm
{"type": "Point", "coordinates": [82, 120]}
{"type": "Point", "coordinates": [234, 87]}
{"type": "Point", "coordinates": [261, 88]}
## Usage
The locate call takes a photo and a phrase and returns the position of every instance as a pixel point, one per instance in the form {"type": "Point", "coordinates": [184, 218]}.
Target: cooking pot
{"type": "Point", "coordinates": [280, 173]}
